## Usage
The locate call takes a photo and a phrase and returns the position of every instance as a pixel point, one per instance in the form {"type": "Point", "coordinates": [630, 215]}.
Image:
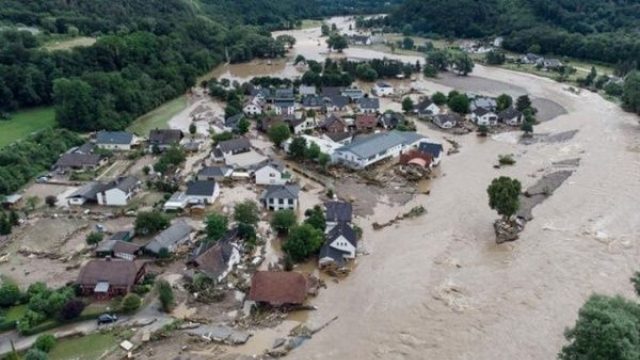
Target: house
{"type": "Point", "coordinates": [124, 235]}
{"type": "Point", "coordinates": [284, 107]}
{"type": "Point", "coordinates": [353, 93]}
{"type": "Point", "coordinates": [343, 138]}
{"type": "Point", "coordinates": [280, 197]}
{"type": "Point", "coordinates": [253, 106]}
{"type": "Point", "coordinates": [118, 192]}
{"type": "Point", "coordinates": [368, 105]}
{"type": "Point", "coordinates": [216, 260]}
{"type": "Point", "coordinates": [374, 148]}
{"type": "Point", "coordinates": [234, 146]}
{"type": "Point", "coordinates": [511, 117]}
{"type": "Point", "coordinates": [272, 173]}
{"type": "Point", "coordinates": [192, 146]}
{"type": "Point", "coordinates": [107, 278]}
{"type": "Point", "coordinates": [299, 126]}
{"type": "Point", "coordinates": [215, 173]}
{"type": "Point", "coordinates": [203, 192]}
{"type": "Point", "coordinates": [282, 94]}
{"type": "Point", "coordinates": [170, 238]}
{"type": "Point", "coordinates": [86, 193]}
{"type": "Point", "coordinates": [484, 102]}
{"type": "Point", "coordinates": [426, 108]}
{"type": "Point", "coordinates": [417, 158]}
{"type": "Point", "coordinates": [333, 123]}
{"type": "Point", "coordinates": [11, 201]}
{"type": "Point", "coordinates": [391, 120]}
{"type": "Point", "coordinates": [552, 64]}
{"type": "Point", "coordinates": [336, 103]}
{"type": "Point", "coordinates": [433, 149]}
{"type": "Point", "coordinates": [382, 89]}
{"type": "Point", "coordinates": [447, 121]}
{"type": "Point", "coordinates": [114, 140]}
{"type": "Point", "coordinates": [482, 116]}
{"type": "Point", "coordinates": [77, 161]}
{"type": "Point", "coordinates": [531, 58]}
{"type": "Point", "coordinates": [278, 288]}
{"type": "Point", "coordinates": [307, 90]}
{"type": "Point", "coordinates": [359, 40]}
{"type": "Point", "coordinates": [177, 201]}
{"type": "Point", "coordinates": [118, 249]}
{"type": "Point", "coordinates": [232, 123]}
{"type": "Point", "coordinates": [326, 145]}
{"type": "Point", "coordinates": [337, 212]}
{"type": "Point", "coordinates": [340, 245]}
{"type": "Point", "coordinates": [313, 102]}
{"type": "Point", "coordinates": [163, 139]}
{"type": "Point", "coordinates": [366, 122]}
{"type": "Point", "coordinates": [497, 42]}
{"type": "Point", "coordinates": [86, 148]}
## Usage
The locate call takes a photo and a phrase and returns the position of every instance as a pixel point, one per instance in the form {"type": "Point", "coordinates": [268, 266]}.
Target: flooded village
{"type": "Point", "coordinates": [338, 222]}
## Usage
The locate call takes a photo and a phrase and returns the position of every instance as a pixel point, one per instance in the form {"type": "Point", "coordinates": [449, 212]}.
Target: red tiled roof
{"type": "Point", "coordinates": [278, 287]}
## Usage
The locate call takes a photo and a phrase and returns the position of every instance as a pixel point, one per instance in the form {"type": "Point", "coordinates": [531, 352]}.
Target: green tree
{"type": "Point", "coordinates": [165, 294]}
{"type": "Point", "coordinates": [216, 226]}
{"type": "Point", "coordinates": [315, 217]}
{"type": "Point", "coordinates": [35, 354]}
{"type": "Point", "coordinates": [407, 43]}
{"type": "Point", "coordinates": [407, 104]}
{"type": "Point", "coordinates": [297, 148]}
{"type": "Point", "coordinates": [50, 200]}
{"type": "Point", "coordinates": [495, 57]}
{"type": "Point", "coordinates": [366, 72]}
{"type": "Point", "coordinates": [303, 241]}
{"type": "Point", "coordinates": [243, 126]}
{"type": "Point", "coordinates": [504, 196]}
{"type": "Point", "coordinates": [312, 152]}
{"type": "Point", "coordinates": [193, 129]}
{"type": "Point", "coordinates": [527, 128]}
{"type": "Point", "coordinates": [299, 59]}
{"type": "Point", "coordinates": [459, 103]}
{"type": "Point", "coordinates": [75, 104]}
{"type": "Point", "coordinates": [324, 159]}
{"type": "Point", "coordinates": [463, 64]}
{"type": "Point", "coordinates": [631, 92]}
{"type": "Point", "coordinates": [283, 220]}
{"type": "Point", "coordinates": [279, 133]}
{"type": "Point", "coordinates": [635, 280]}
{"type": "Point", "coordinates": [289, 40]}
{"type": "Point", "coordinates": [32, 202]}
{"type": "Point", "coordinates": [45, 343]}
{"type": "Point", "coordinates": [503, 102]}
{"type": "Point", "coordinates": [150, 222]}
{"type": "Point", "coordinates": [9, 294]}
{"type": "Point", "coordinates": [246, 212]}
{"type": "Point", "coordinates": [430, 71]}
{"type": "Point", "coordinates": [607, 328]}
{"type": "Point", "coordinates": [94, 238]}
{"type": "Point", "coordinates": [131, 303]}
{"type": "Point", "coordinates": [523, 102]}
{"type": "Point", "coordinates": [337, 42]}
{"type": "Point", "coordinates": [325, 30]}
{"type": "Point", "coordinates": [439, 98]}
{"type": "Point", "coordinates": [439, 59]}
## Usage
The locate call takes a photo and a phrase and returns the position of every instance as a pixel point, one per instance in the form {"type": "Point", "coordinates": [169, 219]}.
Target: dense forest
{"type": "Point", "coordinates": [147, 51]}
{"type": "Point", "coordinates": [591, 29]}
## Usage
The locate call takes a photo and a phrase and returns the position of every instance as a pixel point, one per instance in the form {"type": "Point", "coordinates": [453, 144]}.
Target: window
{"type": "Point", "coordinates": [280, 201]}
{"type": "Point", "coordinates": [290, 201]}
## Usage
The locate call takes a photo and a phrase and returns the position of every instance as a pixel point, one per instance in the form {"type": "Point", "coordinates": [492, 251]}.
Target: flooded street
{"type": "Point", "coordinates": [438, 287]}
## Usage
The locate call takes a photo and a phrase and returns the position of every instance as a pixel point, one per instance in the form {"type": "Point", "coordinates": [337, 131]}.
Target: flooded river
{"type": "Point", "coordinates": [438, 287]}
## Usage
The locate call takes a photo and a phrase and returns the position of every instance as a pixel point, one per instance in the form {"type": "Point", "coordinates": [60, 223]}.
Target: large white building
{"type": "Point", "coordinates": [367, 151]}
{"type": "Point", "coordinates": [383, 89]}
{"type": "Point", "coordinates": [118, 192]}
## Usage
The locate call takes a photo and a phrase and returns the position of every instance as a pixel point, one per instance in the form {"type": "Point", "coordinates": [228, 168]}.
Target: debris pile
{"type": "Point", "coordinates": [414, 212]}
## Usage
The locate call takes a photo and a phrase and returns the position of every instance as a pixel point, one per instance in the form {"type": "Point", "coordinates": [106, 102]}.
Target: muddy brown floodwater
{"type": "Point", "coordinates": [438, 287]}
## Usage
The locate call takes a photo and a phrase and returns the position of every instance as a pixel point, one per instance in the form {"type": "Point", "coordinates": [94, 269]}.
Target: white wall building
{"type": "Point", "coordinates": [367, 151]}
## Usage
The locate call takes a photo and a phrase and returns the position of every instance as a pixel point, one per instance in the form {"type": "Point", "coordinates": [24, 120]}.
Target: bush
{"type": "Point", "coordinates": [35, 354]}
{"type": "Point", "coordinates": [283, 220]}
{"type": "Point", "coordinates": [72, 309]}
{"type": "Point", "coordinates": [303, 241]}
{"type": "Point", "coordinates": [51, 200]}
{"type": "Point", "coordinates": [506, 159]}
{"type": "Point", "coordinates": [94, 238]}
{"type": "Point", "coordinates": [150, 222]}
{"type": "Point", "coordinates": [45, 343]}
{"type": "Point", "coordinates": [247, 212]}
{"type": "Point", "coordinates": [131, 303]}
{"type": "Point", "coordinates": [165, 294]}
{"type": "Point", "coordinates": [9, 294]}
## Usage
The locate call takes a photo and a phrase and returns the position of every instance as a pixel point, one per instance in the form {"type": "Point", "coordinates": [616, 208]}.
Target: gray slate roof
{"type": "Point", "coordinates": [201, 188]}
{"type": "Point", "coordinates": [78, 160]}
{"type": "Point", "coordinates": [235, 145]}
{"type": "Point", "coordinates": [509, 113]}
{"type": "Point", "coordinates": [169, 237]}
{"type": "Point", "coordinates": [88, 191]}
{"type": "Point", "coordinates": [432, 149]}
{"type": "Point", "coordinates": [114, 137]}
{"type": "Point", "coordinates": [376, 143]}
{"type": "Point", "coordinates": [338, 211]}
{"type": "Point", "coordinates": [165, 136]}
{"type": "Point", "coordinates": [281, 192]}
{"type": "Point", "coordinates": [126, 184]}
{"type": "Point", "coordinates": [214, 171]}
{"type": "Point", "coordinates": [369, 103]}
{"type": "Point", "coordinates": [343, 229]}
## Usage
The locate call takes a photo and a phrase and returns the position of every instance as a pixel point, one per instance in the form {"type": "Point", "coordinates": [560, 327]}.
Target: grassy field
{"type": "Point", "coordinates": [66, 44]}
{"type": "Point", "coordinates": [25, 122]}
{"type": "Point", "coordinates": [15, 312]}
{"type": "Point", "coordinates": [158, 117]}
{"type": "Point", "coordinates": [88, 347]}
{"type": "Point", "coordinates": [309, 23]}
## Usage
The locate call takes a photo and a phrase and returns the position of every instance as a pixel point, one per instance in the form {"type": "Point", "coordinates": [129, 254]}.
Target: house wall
{"type": "Point", "coordinates": [76, 201]}
{"type": "Point", "coordinates": [113, 197]}
{"type": "Point", "coordinates": [252, 110]}
{"type": "Point", "coordinates": [280, 204]}
{"type": "Point", "coordinates": [267, 175]}
{"type": "Point", "coordinates": [383, 91]}
{"type": "Point", "coordinates": [351, 160]}
{"type": "Point", "coordinates": [342, 244]}
{"type": "Point", "coordinates": [115, 147]}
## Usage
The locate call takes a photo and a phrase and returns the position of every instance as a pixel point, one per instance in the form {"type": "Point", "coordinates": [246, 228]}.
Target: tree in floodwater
{"type": "Point", "coordinates": [504, 196]}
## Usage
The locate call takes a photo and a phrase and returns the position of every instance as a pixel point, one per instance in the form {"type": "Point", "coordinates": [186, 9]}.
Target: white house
{"type": "Point", "coordinates": [86, 193]}
{"type": "Point", "coordinates": [253, 106]}
{"type": "Point", "coordinates": [284, 107]}
{"type": "Point", "coordinates": [369, 150]}
{"type": "Point", "coordinates": [118, 192]}
{"type": "Point", "coordinates": [426, 108]}
{"type": "Point", "coordinates": [202, 192]}
{"type": "Point", "coordinates": [114, 140]}
{"type": "Point", "coordinates": [301, 125]}
{"type": "Point", "coordinates": [272, 173]}
{"type": "Point", "coordinates": [339, 247]}
{"type": "Point", "coordinates": [433, 149]}
{"type": "Point", "coordinates": [280, 197]}
{"type": "Point", "coordinates": [305, 90]}
{"type": "Point", "coordinates": [382, 89]}
{"type": "Point", "coordinates": [326, 146]}
{"type": "Point", "coordinates": [177, 201]}
{"type": "Point", "coordinates": [216, 173]}
{"type": "Point", "coordinates": [447, 121]}
{"type": "Point", "coordinates": [482, 116]}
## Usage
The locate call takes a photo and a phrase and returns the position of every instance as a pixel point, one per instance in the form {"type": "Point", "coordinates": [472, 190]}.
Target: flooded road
{"type": "Point", "coordinates": [438, 287]}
